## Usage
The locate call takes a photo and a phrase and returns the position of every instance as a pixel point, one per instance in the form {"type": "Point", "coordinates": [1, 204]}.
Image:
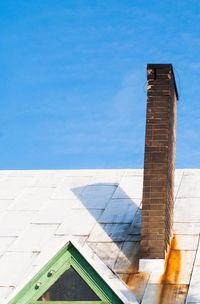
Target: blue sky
{"type": "Point", "coordinates": [73, 80]}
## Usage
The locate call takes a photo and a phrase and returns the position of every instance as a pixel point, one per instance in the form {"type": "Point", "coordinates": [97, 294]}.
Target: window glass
{"type": "Point", "coordinates": [69, 287]}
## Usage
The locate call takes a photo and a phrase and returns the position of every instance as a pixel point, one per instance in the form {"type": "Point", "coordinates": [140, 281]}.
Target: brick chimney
{"type": "Point", "coordinates": [159, 162]}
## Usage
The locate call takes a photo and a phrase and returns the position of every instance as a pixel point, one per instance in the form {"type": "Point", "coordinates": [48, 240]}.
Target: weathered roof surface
{"type": "Point", "coordinates": [40, 210]}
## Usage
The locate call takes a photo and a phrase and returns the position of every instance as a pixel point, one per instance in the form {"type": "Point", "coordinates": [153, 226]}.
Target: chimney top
{"type": "Point", "coordinates": [164, 66]}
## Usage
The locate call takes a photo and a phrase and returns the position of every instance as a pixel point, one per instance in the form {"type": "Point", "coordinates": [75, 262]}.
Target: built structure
{"type": "Point", "coordinates": [106, 236]}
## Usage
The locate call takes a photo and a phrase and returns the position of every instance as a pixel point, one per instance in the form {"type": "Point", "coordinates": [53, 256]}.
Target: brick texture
{"type": "Point", "coordinates": [159, 161]}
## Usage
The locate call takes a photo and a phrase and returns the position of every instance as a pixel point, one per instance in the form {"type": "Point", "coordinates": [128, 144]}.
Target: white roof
{"type": "Point", "coordinates": [100, 209]}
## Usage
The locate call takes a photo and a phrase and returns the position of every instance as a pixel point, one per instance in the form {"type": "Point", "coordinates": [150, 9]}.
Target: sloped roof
{"type": "Point", "coordinates": [99, 209]}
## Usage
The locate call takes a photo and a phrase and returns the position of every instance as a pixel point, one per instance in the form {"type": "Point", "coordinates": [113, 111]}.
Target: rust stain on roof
{"type": "Point", "coordinates": [137, 282]}
{"type": "Point", "coordinates": [172, 270]}
{"type": "Point", "coordinates": [173, 264]}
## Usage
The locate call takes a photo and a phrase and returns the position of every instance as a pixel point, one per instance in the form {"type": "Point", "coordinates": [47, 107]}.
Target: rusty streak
{"type": "Point", "coordinates": [172, 270]}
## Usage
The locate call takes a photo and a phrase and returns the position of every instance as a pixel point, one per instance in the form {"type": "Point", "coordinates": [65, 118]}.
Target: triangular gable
{"type": "Point", "coordinates": [67, 258]}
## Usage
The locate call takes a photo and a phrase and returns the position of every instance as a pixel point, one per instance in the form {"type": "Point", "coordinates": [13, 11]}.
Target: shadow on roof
{"type": "Point", "coordinates": [115, 236]}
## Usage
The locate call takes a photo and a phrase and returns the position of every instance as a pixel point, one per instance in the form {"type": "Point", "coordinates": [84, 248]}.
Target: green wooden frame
{"type": "Point", "coordinates": [68, 256]}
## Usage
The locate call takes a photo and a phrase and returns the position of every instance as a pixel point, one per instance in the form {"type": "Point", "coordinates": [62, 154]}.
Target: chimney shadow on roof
{"type": "Point", "coordinates": [115, 234]}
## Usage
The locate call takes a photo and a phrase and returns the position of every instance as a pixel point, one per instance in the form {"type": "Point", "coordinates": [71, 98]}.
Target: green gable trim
{"type": "Point", "coordinates": [68, 302]}
{"type": "Point", "coordinates": [68, 256]}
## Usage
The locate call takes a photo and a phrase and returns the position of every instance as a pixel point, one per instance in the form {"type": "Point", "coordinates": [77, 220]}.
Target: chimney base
{"type": "Point", "coordinates": [157, 267]}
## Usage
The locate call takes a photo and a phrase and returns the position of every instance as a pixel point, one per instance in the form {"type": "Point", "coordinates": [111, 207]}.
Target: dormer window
{"type": "Point", "coordinates": [68, 278]}
{"type": "Point", "coordinates": [69, 287]}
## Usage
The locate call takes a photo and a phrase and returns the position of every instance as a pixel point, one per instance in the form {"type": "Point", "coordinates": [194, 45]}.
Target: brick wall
{"type": "Point", "coordinates": [159, 162]}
